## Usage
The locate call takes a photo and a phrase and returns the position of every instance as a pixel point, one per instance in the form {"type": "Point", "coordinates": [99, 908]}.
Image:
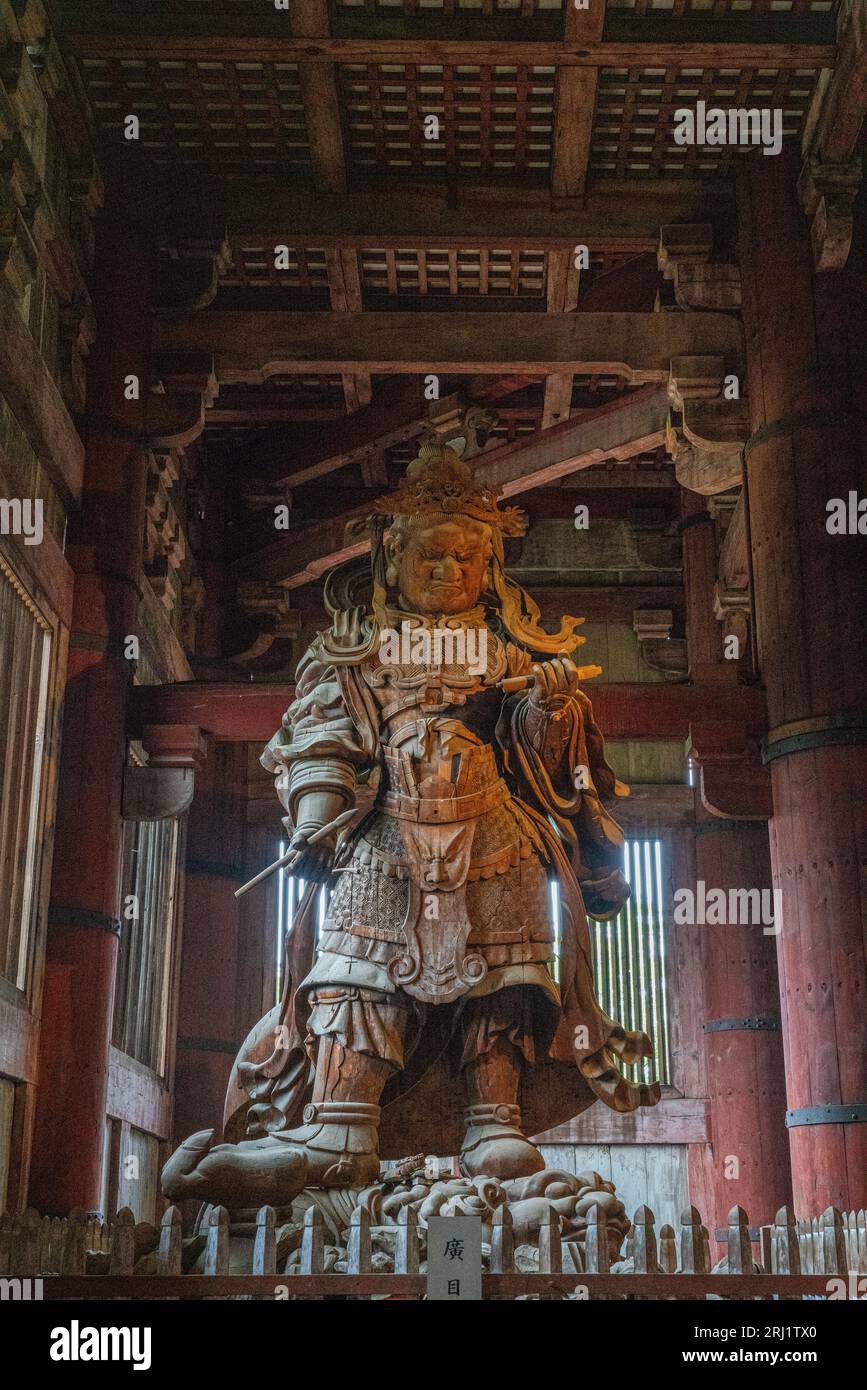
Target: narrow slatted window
{"type": "Point", "coordinates": [141, 1001]}
{"type": "Point", "coordinates": [25, 670]}
{"type": "Point", "coordinates": [290, 891]}
{"type": "Point", "coordinates": [629, 958]}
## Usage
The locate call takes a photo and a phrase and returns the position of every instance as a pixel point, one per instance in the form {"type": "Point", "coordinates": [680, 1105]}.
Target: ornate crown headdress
{"type": "Point", "coordinates": [440, 483]}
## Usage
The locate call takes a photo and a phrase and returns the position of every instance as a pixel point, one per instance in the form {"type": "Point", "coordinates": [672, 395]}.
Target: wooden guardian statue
{"type": "Point", "coordinates": [435, 1013]}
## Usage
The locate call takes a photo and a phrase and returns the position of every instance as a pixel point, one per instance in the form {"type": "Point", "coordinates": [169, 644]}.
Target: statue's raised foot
{"type": "Point", "coordinates": [337, 1147]}
{"type": "Point", "coordinates": [254, 1172]}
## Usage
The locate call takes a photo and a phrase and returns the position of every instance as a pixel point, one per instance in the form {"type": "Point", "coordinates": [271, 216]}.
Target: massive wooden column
{"type": "Point", "coordinates": [105, 552]}
{"type": "Point", "coordinates": [748, 1163]}
{"type": "Point", "coordinates": [806, 343]}
{"type": "Point", "coordinates": [746, 1083]}
{"type": "Point", "coordinates": [207, 1019]}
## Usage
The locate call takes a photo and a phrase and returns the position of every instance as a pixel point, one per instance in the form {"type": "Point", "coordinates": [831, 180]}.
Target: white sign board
{"type": "Point", "coordinates": [454, 1258]}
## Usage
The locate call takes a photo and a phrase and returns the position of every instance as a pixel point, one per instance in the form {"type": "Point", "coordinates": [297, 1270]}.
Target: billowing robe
{"type": "Point", "coordinates": [441, 897]}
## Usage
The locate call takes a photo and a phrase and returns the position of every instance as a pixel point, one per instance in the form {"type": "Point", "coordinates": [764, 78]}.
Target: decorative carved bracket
{"type": "Point", "coordinates": [176, 410]}
{"type": "Point", "coordinates": [733, 783]}
{"type": "Point", "coordinates": [661, 651]}
{"type": "Point", "coordinates": [708, 439]}
{"type": "Point", "coordinates": [683, 257]}
{"type": "Point", "coordinates": [828, 193]}
{"type": "Point", "coordinates": [163, 789]}
{"type": "Point", "coordinates": [190, 277]}
{"type": "Point", "coordinates": [279, 622]}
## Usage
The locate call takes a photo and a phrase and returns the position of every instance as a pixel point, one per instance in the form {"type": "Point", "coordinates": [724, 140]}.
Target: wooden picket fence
{"type": "Point", "coordinates": [82, 1257]}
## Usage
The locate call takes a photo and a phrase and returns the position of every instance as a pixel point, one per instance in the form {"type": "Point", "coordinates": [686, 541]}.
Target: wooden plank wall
{"type": "Point", "coordinates": [654, 1175]}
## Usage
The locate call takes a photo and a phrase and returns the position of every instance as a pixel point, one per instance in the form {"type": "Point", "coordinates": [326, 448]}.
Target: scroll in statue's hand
{"type": "Point", "coordinates": [552, 679]}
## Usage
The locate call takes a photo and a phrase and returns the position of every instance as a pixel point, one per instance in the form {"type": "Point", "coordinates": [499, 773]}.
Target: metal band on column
{"type": "Point", "coordinates": [827, 1115]}
{"type": "Point", "coordinates": [801, 735]}
{"type": "Point", "coordinates": [765, 1023]}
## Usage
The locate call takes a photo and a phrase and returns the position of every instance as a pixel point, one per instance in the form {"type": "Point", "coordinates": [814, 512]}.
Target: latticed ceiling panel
{"type": "Point", "coordinates": [476, 271]}
{"type": "Point", "coordinates": [633, 130]}
{"type": "Point", "coordinates": [492, 121]}
{"type": "Point", "coordinates": [447, 8]}
{"type": "Point", "coordinates": [233, 117]}
{"type": "Point", "coordinates": [524, 8]}
{"type": "Point", "coordinates": [760, 9]}
{"type": "Point", "coordinates": [408, 272]}
{"type": "Point", "coordinates": [301, 268]}
{"type": "Point", "coordinates": [246, 118]}
{"type": "Point", "coordinates": [436, 272]}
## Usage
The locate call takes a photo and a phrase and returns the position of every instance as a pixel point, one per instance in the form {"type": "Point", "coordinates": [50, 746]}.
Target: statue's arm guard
{"type": "Point", "coordinates": [318, 752]}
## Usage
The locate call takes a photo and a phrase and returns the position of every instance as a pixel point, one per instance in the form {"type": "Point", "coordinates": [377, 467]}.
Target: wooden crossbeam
{"type": "Point", "coordinates": [251, 713]}
{"type": "Point", "coordinates": [399, 416]}
{"type": "Point", "coordinates": [252, 345]}
{"type": "Point", "coordinates": [616, 214]}
{"type": "Point", "coordinates": [717, 52]}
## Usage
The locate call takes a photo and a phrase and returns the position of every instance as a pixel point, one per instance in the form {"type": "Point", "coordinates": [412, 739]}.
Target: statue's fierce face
{"type": "Point", "coordinates": [441, 568]}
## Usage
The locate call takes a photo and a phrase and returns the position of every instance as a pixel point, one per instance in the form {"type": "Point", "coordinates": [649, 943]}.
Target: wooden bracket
{"type": "Point", "coordinates": [189, 278]}
{"type": "Point", "coordinates": [683, 257]}
{"type": "Point", "coordinates": [164, 788]}
{"type": "Point", "coordinates": [828, 192]}
{"type": "Point", "coordinates": [733, 783]}
{"type": "Point", "coordinates": [707, 440]}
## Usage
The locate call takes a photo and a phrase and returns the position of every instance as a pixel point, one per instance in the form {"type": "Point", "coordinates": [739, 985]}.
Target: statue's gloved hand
{"type": "Point", "coordinates": [553, 679]}
{"type": "Point", "coordinates": [310, 861]}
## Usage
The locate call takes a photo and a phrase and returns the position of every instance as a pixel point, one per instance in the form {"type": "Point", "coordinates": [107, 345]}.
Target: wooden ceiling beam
{"type": "Point", "coordinates": [318, 82]}
{"type": "Point", "coordinates": [656, 52]}
{"type": "Point", "coordinates": [251, 346]}
{"type": "Point", "coordinates": [575, 105]}
{"type": "Point", "coordinates": [395, 420]}
{"type": "Point", "coordinates": [251, 713]}
{"type": "Point", "coordinates": [617, 214]}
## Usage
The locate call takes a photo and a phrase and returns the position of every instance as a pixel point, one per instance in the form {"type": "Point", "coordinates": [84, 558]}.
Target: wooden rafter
{"type": "Point", "coordinates": [309, 19]}
{"type": "Point", "coordinates": [575, 105]}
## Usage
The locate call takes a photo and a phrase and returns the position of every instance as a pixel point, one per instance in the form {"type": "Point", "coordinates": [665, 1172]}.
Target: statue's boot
{"type": "Point", "coordinates": [494, 1145]}
{"type": "Point", "coordinates": [340, 1143]}
{"type": "Point", "coordinates": [337, 1146]}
